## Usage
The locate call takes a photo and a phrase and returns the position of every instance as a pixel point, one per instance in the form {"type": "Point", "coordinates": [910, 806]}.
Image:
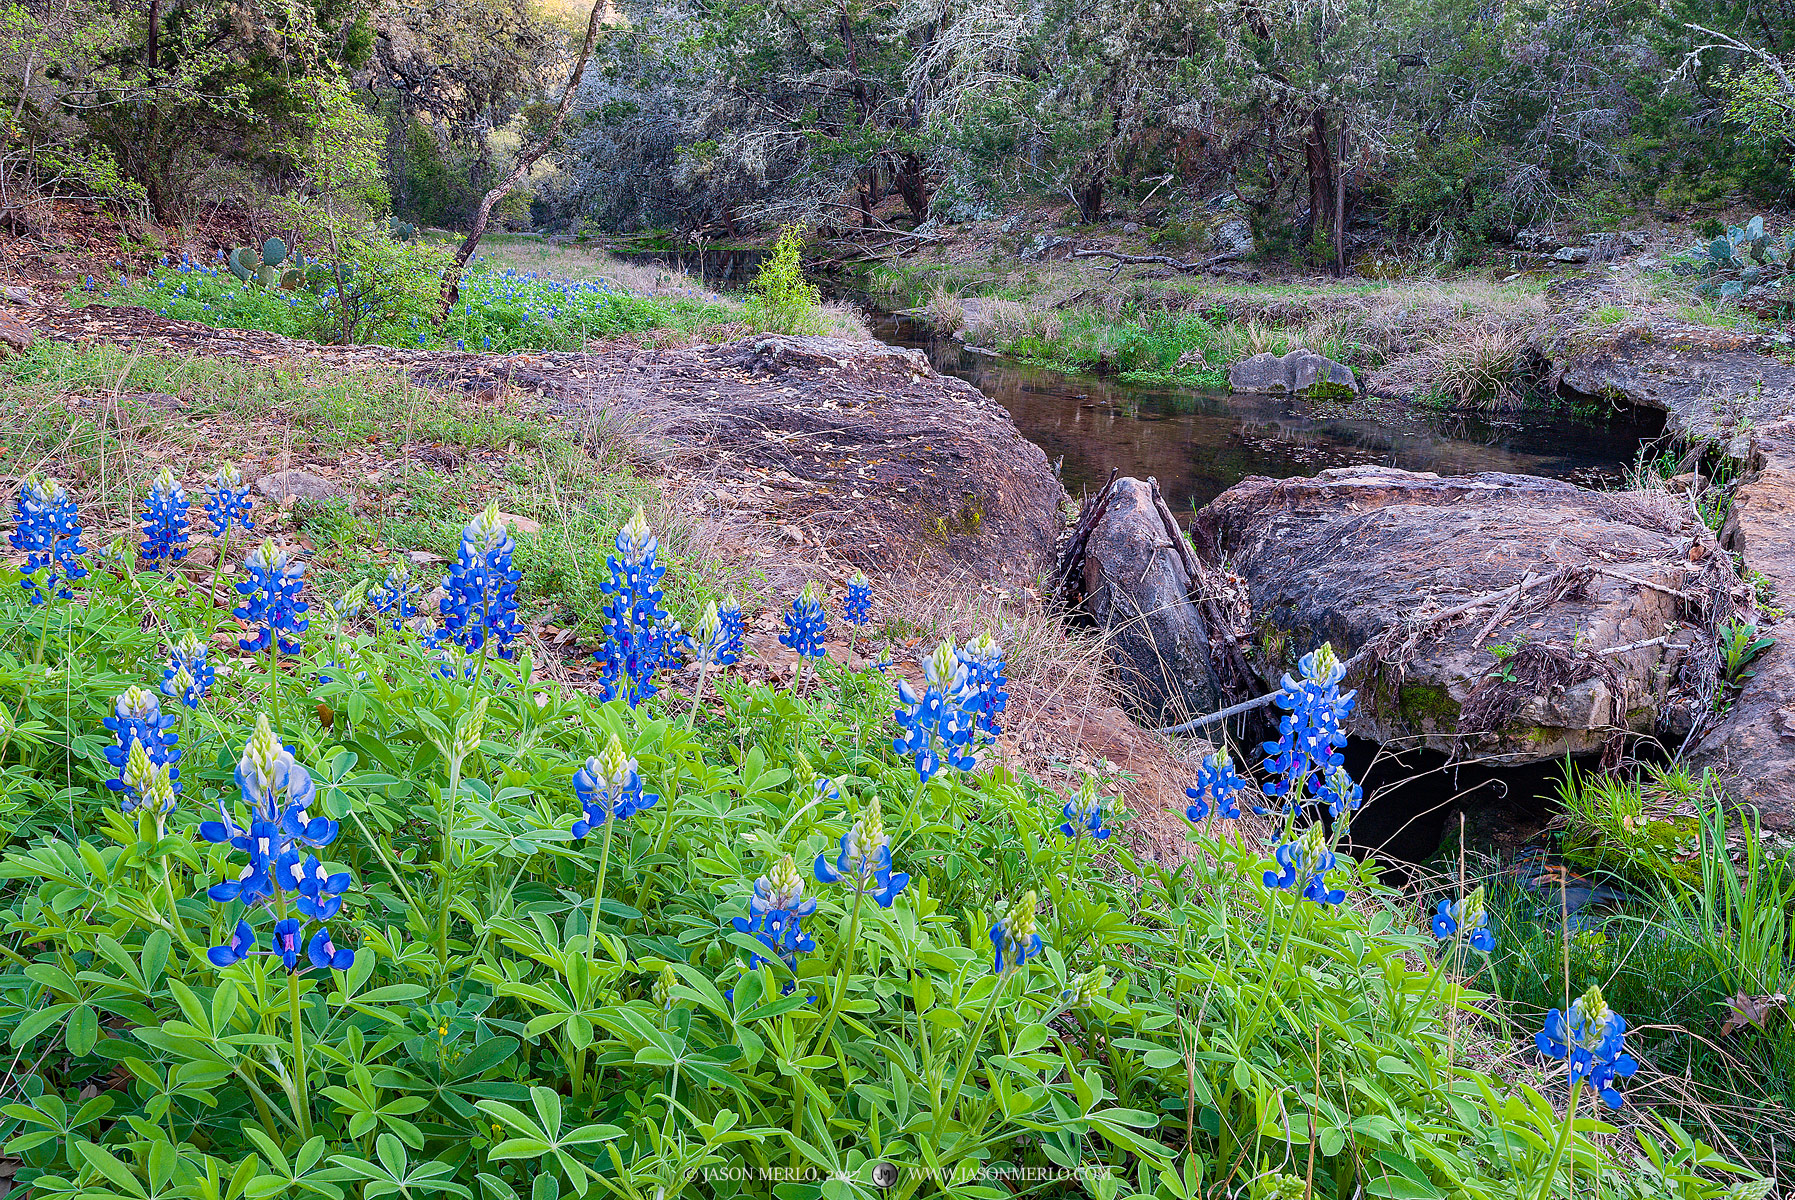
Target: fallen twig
{"type": "Point", "coordinates": [1123, 260]}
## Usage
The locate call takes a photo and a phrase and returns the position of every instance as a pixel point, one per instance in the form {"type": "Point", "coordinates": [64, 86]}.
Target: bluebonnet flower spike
{"type": "Point", "coordinates": [864, 859]}
{"type": "Point", "coordinates": [937, 726]}
{"type": "Point", "coordinates": [1310, 733]}
{"type": "Point", "coordinates": [638, 638]}
{"type": "Point", "coordinates": [1084, 814]}
{"type": "Point", "coordinates": [1468, 914]}
{"type": "Point", "coordinates": [189, 675]}
{"type": "Point", "coordinates": [227, 501]}
{"type": "Point", "coordinates": [138, 724]}
{"type": "Point", "coordinates": [986, 695]}
{"type": "Point", "coordinates": [480, 591]}
{"type": "Point", "coordinates": [49, 533]}
{"type": "Point", "coordinates": [610, 788]}
{"type": "Point", "coordinates": [1306, 861]}
{"type": "Point", "coordinates": [273, 577]}
{"type": "Point", "coordinates": [806, 625]}
{"type": "Point", "coordinates": [164, 523]}
{"type": "Point", "coordinates": [1591, 1041]}
{"type": "Point", "coordinates": [1218, 785]}
{"type": "Point", "coordinates": [857, 607]}
{"type": "Point", "coordinates": [1013, 935]}
{"type": "Point", "coordinates": [776, 913]}
{"type": "Point", "coordinates": [395, 597]}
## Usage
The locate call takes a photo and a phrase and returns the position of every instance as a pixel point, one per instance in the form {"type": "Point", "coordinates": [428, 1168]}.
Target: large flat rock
{"type": "Point", "coordinates": [1713, 383]}
{"type": "Point", "coordinates": [856, 448]}
{"type": "Point", "coordinates": [1752, 748]}
{"type": "Point", "coordinates": [1417, 565]}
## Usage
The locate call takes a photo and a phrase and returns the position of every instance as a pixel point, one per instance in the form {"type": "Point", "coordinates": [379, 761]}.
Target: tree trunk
{"type": "Point", "coordinates": [1090, 197]}
{"type": "Point", "coordinates": [527, 159]}
{"type": "Point", "coordinates": [1320, 156]}
{"type": "Point", "coordinates": [152, 49]}
{"type": "Point", "coordinates": [907, 179]}
{"type": "Point", "coordinates": [1340, 209]}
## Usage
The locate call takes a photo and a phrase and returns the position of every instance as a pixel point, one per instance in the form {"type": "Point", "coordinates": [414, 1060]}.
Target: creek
{"type": "Point", "coordinates": [1198, 444]}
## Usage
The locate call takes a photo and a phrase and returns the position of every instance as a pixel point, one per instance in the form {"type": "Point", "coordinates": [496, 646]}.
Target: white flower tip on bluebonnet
{"type": "Point", "coordinates": [612, 766]}
{"type": "Point", "coordinates": [469, 728]}
{"type": "Point", "coordinates": [182, 681]}
{"type": "Point", "coordinates": [664, 985]}
{"type": "Point", "coordinates": [1471, 908]}
{"type": "Point", "coordinates": [943, 668]}
{"type": "Point", "coordinates": [1596, 1016]}
{"type": "Point", "coordinates": [42, 489]}
{"type": "Point", "coordinates": [136, 702]}
{"type": "Point", "coordinates": [869, 829]}
{"type": "Point", "coordinates": [139, 772]}
{"type": "Point", "coordinates": [159, 793]}
{"type": "Point", "coordinates": [1019, 919]}
{"type": "Point", "coordinates": [1321, 665]}
{"type": "Point", "coordinates": [731, 606]}
{"type": "Point", "coordinates": [1312, 842]}
{"type": "Point", "coordinates": [227, 477]}
{"type": "Point", "coordinates": [190, 648]}
{"type": "Point", "coordinates": [262, 755]}
{"type": "Point", "coordinates": [165, 484]}
{"type": "Point", "coordinates": [709, 622]}
{"type": "Point", "coordinates": [635, 541]}
{"type": "Point", "coordinates": [487, 530]}
{"type": "Point", "coordinates": [808, 596]}
{"type": "Point", "coordinates": [984, 648]}
{"type": "Point", "coordinates": [859, 580]}
{"type": "Point", "coordinates": [782, 886]}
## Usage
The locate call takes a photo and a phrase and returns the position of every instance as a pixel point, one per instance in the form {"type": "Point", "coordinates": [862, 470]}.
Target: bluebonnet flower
{"type": "Point", "coordinates": [882, 664]}
{"type": "Point", "coordinates": [1013, 935]}
{"type": "Point", "coordinates": [1309, 733]}
{"type": "Point", "coordinates": [610, 788]}
{"type": "Point", "coordinates": [324, 953]}
{"type": "Point", "coordinates": [776, 913]}
{"type": "Point", "coordinates": [985, 695]}
{"type": "Point", "coordinates": [49, 532]}
{"type": "Point", "coordinates": [1340, 794]}
{"type": "Point", "coordinates": [189, 675]}
{"type": "Point", "coordinates": [278, 840]}
{"type": "Point", "coordinates": [636, 642]}
{"type": "Point", "coordinates": [1218, 783]}
{"type": "Point", "coordinates": [729, 621]}
{"type": "Point", "coordinates": [1591, 1042]}
{"type": "Point", "coordinates": [864, 859]}
{"type": "Point", "coordinates": [937, 726]}
{"type": "Point", "coordinates": [394, 598]}
{"type": "Point", "coordinates": [857, 608]}
{"type": "Point", "coordinates": [710, 640]}
{"type": "Point", "coordinates": [1084, 814]}
{"type": "Point", "coordinates": [138, 722]}
{"type": "Point", "coordinates": [806, 625]}
{"type": "Point", "coordinates": [1469, 914]}
{"type": "Point", "coordinates": [481, 588]}
{"type": "Point", "coordinates": [1083, 989]}
{"type": "Point", "coordinates": [227, 501]}
{"type": "Point", "coordinates": [164, 522]}
{"type": "Point", "coordinates": [272, 580]}
{"type": "Point", "coordinates": [1307, 861]}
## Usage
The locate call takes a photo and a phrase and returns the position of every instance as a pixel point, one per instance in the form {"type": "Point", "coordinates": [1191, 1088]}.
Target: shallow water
{"type": "Point", "coordinates": [1197, 444]}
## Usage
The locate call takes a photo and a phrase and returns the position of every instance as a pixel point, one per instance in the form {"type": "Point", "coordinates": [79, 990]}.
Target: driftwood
{"type": "Point", "coordinates": [1123, 260]}
{"type": "Point", "coordinates": [1072, 557]}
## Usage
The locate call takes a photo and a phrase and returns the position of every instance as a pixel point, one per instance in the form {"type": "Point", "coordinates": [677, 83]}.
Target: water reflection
{"type": "Point", "coordinates": [1198, 444]}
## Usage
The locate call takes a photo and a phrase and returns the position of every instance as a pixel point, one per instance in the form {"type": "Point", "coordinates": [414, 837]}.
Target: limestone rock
{"type": "Point", "coordinates": [1753, 747]}
{"type": "Point", "coordinates": [1298, 373]}
{"type": "Point", "coordinates": [1357, 553]}
{"type": "Point", "coordinates": [1135, 577]}
{"type": "Point", "coordinates": [15, 336]}
{"type": "Point", "coordinates": [300, 485]}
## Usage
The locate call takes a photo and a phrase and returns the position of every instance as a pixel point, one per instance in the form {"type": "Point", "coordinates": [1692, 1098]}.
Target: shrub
{"type": "Point", "coordinates": [782, 300]}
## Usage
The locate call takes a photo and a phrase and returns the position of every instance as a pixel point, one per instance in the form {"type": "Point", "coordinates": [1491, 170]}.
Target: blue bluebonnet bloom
{"type": "Point", "coordinates": [882, 664]}
{"type": "Point", "coordinates": [1218, 784]}
{"type": "Point", "coordinates": [395, 597]}
{"type": "Point", "coordinates": [1013, 935]}
{"type": "Point", "coordinates": [227, 501]}
{"type": "Point", "coordinates": [857, 607]}
{"type": "Point", "coordinates": [776, 913]}
{"type": "Point", "coordinates": [864, 860]}
{"type": "Point", "coordinates": [1340, 793]}
{"type": "Point", "coordinates": [1307, 861]}
{"type": "Point", "coordinates": [1468, 914]}
{"type": "Point", "coordinates": [480, 600]}
{"type": "Point", "coordinates": [1083, 989]}
{"type": "Point", "coordinates": [164, 522]}
{"type": "Point", "coordinates": [279, 839]}
{"type": "Point", "coordinates": [189, 675]}
{"type": "Point", "coordinates": [986, 694]}
{"type": "Point", "coordinates": [636, 642]}
{"type": "Point", "coordinates": [272, 580]}
{"type": "Point", "coordinates": [937, 726]}
{"type": "Point", "coordinates": [1084, 814]}
{"type": "Point", "coordinates": [729, 620]}
{"type": "Point", "coordinates": [1591, 1042]}
{"type": "Point", "coordinates": [806, 625]}
{"type": "Point", "coordinates": [710, 640]}
{"type": "Point", "coordinates": [49, 532]}
{"type": "Point", "coordinates": [1309, 733]}
{"type": "Point", "coordinates": [137, 721]}
{"type": "Point", "coordinates": [610, 788]}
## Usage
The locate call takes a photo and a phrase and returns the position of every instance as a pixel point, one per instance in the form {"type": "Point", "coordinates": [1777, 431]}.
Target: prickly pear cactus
{"type": "Point", "coordinates": [1745, 264]}
{"type": "Point", "coordinates": [239, 264]}
{"type": "Point", "coordinates": [269, 277]}
{"type": "Point", "coordinates": [291, 280]}
{"type": "Point", "coordinates": [274, 252]}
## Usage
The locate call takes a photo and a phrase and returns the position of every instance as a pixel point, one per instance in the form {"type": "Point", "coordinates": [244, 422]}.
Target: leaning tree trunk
{"type": "Point", "coordinates": [452, 277]}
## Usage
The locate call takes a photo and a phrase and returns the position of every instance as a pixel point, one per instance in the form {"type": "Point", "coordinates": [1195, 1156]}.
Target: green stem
{"type": "Point", "coordinates": [447, 864]}
{"type": "Point", "coordinates": [972, 1052]}
{"type": "Point", "coordinates": [598, 890]}
{"type": "Point", "coordinates": [303, 1101]}
{"type": "Point", "coordinates": [697, 697]}
{"type": "Point", "coordinates": [1564, 1138]}
{"type": "Point", "coordinates": [841, 980]}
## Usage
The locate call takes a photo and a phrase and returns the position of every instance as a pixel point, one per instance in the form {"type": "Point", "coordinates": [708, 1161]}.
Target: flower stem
{"type": "Point", "coordinates": [972, 1052]}
{"type": "Point", "coordinates": [1564, 1138]}
{"type": "Point", "coordinates": [303, 1100]}
{"type": "Point", "coordinates": [841, 981]}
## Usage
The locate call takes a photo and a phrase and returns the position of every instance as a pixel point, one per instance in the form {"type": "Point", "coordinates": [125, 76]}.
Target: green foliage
{"type": "Point", "coordinates": [781, 299]}
{"type": "Point", "coordinates": [1740, 646]}
{"type": "Point", "coordinates": [1743, 262]}
{"type": "Point", "coordinates": [509, 1025]}
{"type": "Point", "coordinates": [1639, 827]}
